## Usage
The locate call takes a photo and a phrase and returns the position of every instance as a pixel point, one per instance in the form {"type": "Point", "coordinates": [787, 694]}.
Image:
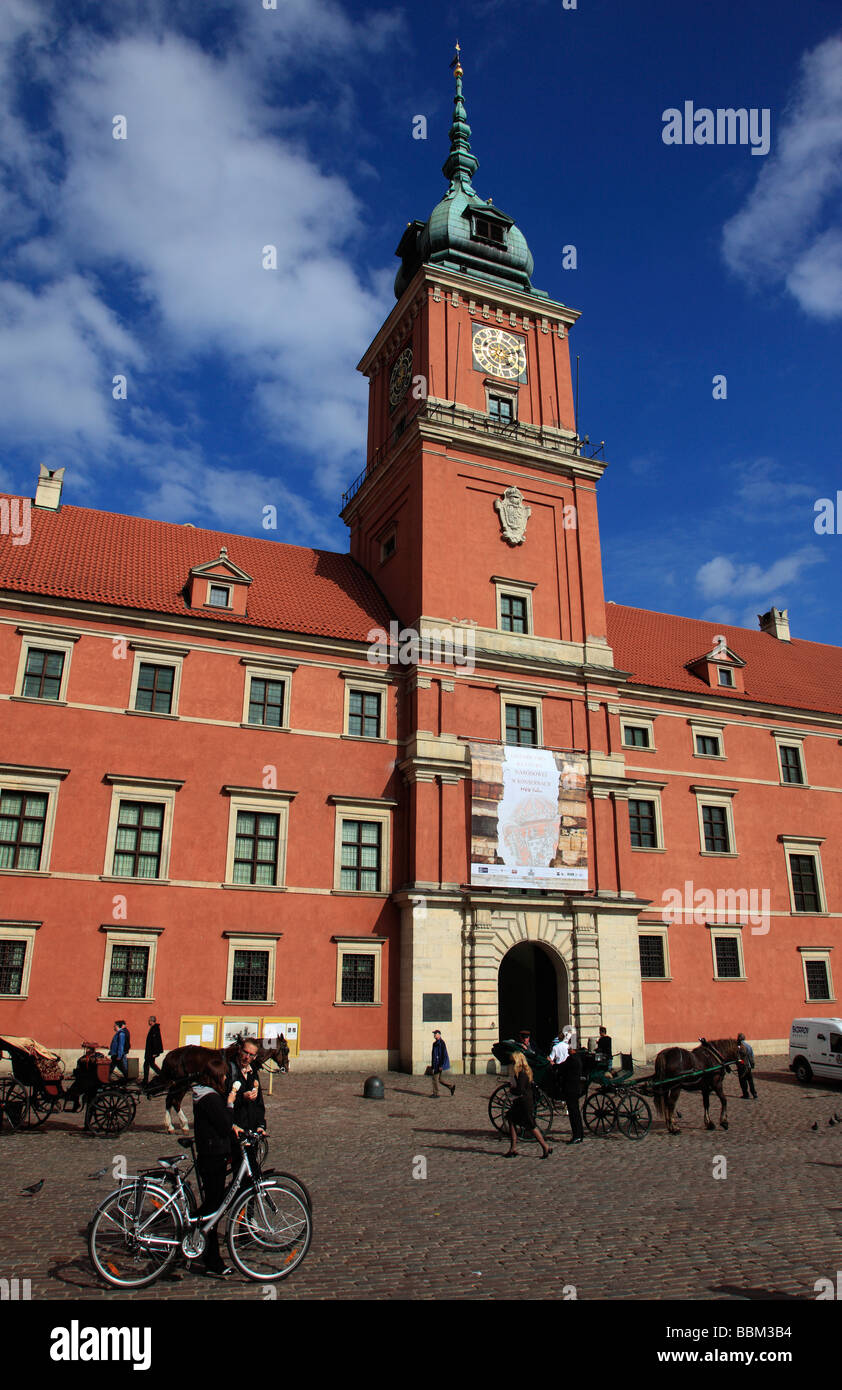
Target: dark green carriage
{"type": "Point", "coordinates": [616, 1103]}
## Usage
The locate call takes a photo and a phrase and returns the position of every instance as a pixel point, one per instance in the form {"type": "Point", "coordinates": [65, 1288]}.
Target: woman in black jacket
{"type": "Point", "coordinates": [522, 1112]}
{"type": "Point", "coordinates": [213, 1127]}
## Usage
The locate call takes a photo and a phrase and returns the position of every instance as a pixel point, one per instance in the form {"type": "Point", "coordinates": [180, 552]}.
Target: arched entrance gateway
{"type": "Point", "coordinates": [532, 992]}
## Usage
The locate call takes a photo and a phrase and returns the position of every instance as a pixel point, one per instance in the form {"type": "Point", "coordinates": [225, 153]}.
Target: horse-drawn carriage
{"type": "Point", "coordinates": [615, 1098]}
{"type": "Point", "coordinates": [38, 1087]}
{"type": "Point", "coordinates": [616, 1103]}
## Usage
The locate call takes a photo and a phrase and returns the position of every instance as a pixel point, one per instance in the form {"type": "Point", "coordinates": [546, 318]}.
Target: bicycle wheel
{"type": "Point", "coordinates": [269, 1231]}
{"type": "Point", "coordinates": [288, 1180]}
{"type": "Point", "coordinates": [133, 1236]}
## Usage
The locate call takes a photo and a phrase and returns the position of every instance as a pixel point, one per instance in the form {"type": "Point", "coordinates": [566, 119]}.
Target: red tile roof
{"type": "Point", "coordinates": [656, 647]}
{"type": "Point", "coordinates": [133, 562]}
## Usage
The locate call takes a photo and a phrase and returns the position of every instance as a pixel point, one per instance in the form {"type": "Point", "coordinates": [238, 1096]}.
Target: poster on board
{"type": "Point", "coordinates": [528, 818]}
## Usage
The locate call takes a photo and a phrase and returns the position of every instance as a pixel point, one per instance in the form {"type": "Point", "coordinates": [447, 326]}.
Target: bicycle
{"type": "Point", "coordinates": [136, 1233]}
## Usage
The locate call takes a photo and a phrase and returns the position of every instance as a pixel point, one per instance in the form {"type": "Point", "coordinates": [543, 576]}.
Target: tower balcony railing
{"type": "Point", "coordinates": [474, 422]}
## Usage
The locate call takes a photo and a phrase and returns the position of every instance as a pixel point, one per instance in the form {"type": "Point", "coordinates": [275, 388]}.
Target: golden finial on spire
{"type": "Point", "coordinates": [456, 64]}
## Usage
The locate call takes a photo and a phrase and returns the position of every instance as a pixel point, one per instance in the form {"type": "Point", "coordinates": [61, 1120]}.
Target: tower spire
{"type": "Point", "coordinates": [460, 164]}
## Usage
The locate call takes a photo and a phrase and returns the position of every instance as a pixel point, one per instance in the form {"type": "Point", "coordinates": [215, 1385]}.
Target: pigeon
{"type": "Point", "coordinates": [837, 1118]}
{"type": "Point", "coordinates": [100, 1173]}
{"type": "Point", "coordinates": [831, 1122]}
{"type": "Point", "coordinates": [36, 1187]}
{"type": "Point", "coordinates": [815, 1126]}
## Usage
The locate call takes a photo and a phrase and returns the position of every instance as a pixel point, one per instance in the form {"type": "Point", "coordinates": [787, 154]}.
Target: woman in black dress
{"type": "Point", "coordinates": [522, 1112]}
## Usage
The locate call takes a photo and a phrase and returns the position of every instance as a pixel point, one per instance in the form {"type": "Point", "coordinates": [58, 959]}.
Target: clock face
{"type": "Point", "coordinates": [500, 353]}
{"type": "Point", "coordinates": [400, 377]}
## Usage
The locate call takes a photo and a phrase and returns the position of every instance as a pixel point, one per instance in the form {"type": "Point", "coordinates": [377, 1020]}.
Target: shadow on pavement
{"type": "Point", "coordinates": [755, 1295]}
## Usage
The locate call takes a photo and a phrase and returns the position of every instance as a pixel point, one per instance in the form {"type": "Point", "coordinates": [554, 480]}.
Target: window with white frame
{"type": "Point", "coordinates": [17, 945]}
{"type": "Point", "coordinates": [653, 947]}
{"type": "Point", "coordinates": [140, 828]}
{"type": "Point", "coordinates": [638, 733]}
{"type": "Point", "coordinates": [514, 605]}
{"type": "Point", "coordinates": [521, 721]}
{"type": "Point", "coordinates": [725, 676]}
{"type": "Point", "coordinates": [44, 663]}
{"type": "Point", "coordinates": [364, 714]}
{"type": "Point", "coordinates": [804, 873]}
{"type": "Point", "coordinates": [791, 761]}
{"type": "Point", "coordinates": [267, 696]}
{"type": "Point", "coordinates": [727, 949]}
{"type": "Point", "coordinates": [818, 979]}
{"type": "Point", "coordinates": [28, 801]}
{"type": "Point", "coordinates": [716, 820]}
{"type": "Point", "coordinates": [129, 965]}
{"type": "Point", "coordinates": [257, 837]}
{"type": "Point", "coordinates": [707, 740]}
{"type": "Point", "coordinates": [358, 969]}
{"type": "Point", "coordinates": [645, 823]}
{"type": "Point", "coordinates": [219, 596]}
{"type": "Point", "coordinates": [362, 848]}
{"type": "Point", "coordinates": [156, 678]}
{"type": "Point", "coordinates": [251, 968]}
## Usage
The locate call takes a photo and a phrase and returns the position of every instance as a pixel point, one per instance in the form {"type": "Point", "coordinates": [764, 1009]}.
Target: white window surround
{"type": "Point", "coordinates": [504, 390]}
{"type": "Point", "coordinates": [643, 793]}
{"type": "Point", "coordinates": [822, 953]}
{"type": "Point", "coordinates": [787, 740]}
{"type": "Point", "coordinates": [511, 697]}
{"type": "Point", "coordinates": [657, 929]}
{"type": "Point", "coordinates": [635, 722]}
{"type": "Point", "coordinates": [703, 728]}
{"type": "Point", "coordinates": [116, 935]}
{"type": "Point", "coordinates": [266, 669]}
{"type": "Point", "coordinates": [733, 935]}
{"type": "Point", "coordinates": [516, 589]}
{"type": "Point", "coordinates": [716, 796]}
{"type": "Point", "coordinates": [368, 684]}
{"type": "Point", "coordinates": [43, 638]}
{"type": "Point", "coordinates": [24, 931]}
{"type": "Point", "coordinates": [254, 941]}
{"type": "Point", "coordinates": [371, 810]}
{"type": "Point", "coordinates": [152, 791]}
{"type": "Point", "coordinates": [794, 844]}
{"type": "Point", "coordinates": [43, 781]}
{"type": "Point", "coordinates": [359, 946]}
{"type": "Point", "coordinates": [263, 802]}
{"type": "Point", "coordinates": [157, 654]}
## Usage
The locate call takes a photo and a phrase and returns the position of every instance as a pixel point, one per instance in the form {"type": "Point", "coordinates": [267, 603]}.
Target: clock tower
{"type": "Point", "coordinates": [476, 513]}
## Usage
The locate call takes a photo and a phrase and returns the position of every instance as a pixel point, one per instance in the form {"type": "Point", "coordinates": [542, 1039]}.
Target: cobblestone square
{"type": "Point", "coordinates": [609, 1219]}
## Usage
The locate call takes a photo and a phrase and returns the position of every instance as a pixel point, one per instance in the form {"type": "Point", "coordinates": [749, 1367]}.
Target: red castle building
{"type": "Point", "coordinates": [225, 800]}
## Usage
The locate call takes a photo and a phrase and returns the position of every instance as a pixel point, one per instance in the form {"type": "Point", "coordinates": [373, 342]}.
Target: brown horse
{"type": "Point", "coordinates": [205, 1066]}
{"type": "Point", "coordinates": [673, 1062]}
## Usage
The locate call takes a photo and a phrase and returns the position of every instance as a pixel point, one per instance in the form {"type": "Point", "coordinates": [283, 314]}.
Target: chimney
{"type": "Point", "coordinates": [776, 623]}
{"type": "Point", "coordinates": [48, 491]}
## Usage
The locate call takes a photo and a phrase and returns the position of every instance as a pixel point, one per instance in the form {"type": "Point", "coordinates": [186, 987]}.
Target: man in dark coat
{"type": "Point", "coordinates": [571, 1088]}
{"type": "Point", "coordinates": [245, 1096]}
{"type": "Point", "coordinates": [154, 1047]}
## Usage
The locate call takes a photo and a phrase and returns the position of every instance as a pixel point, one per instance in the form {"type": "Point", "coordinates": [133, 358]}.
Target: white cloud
{"type": "Point", "coordinates": [723, 578]}
{"type": "Point", "coordinates": [782, 233]}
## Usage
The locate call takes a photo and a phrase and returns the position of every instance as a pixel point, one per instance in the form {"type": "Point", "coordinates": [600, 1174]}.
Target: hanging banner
{"type": "Point", "coordinates": [529, 818]}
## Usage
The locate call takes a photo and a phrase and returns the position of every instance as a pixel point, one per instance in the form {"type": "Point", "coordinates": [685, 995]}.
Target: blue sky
{"type": "Point", "coordinates": [293, 127]}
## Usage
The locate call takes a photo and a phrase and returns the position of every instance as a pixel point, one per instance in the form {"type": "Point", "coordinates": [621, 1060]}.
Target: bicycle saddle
{"type": "Point", "coordinates": [171, 1162]}
{"type": "Point", "coordinates": [187, 1143]}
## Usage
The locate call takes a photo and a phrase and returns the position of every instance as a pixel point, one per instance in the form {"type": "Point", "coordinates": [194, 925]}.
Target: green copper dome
{"type": "Point", "coordinates": [464, 232]}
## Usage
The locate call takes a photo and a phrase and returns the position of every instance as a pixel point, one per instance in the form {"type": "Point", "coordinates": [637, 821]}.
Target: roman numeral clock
{"type": "Point", "coordinates": [499, 353]}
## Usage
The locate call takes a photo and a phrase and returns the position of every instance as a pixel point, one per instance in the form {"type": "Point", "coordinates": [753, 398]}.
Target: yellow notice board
{"type": "Point", "coordinates": [291, 1029]}
{"type": "Point", "coordinates": [202, 1030]}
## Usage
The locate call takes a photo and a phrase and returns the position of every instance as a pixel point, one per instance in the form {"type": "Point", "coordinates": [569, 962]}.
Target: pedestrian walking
{"type": "Point", "coordinates": [745, 1067]}
{"type": "Point", "coordinates": [570, 1089]}
{"type": "Point", "coordinates": [440, 1062]}
{"type": "Point", "coordinates": [118, 1049]}
{"type": "Point", "coordinates": [522, 1111]}
{"type": "Point", "coordinates": [153, 1048]}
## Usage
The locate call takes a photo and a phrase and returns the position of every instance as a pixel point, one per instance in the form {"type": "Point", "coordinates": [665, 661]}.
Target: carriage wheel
{"type": "Point", "coordinates": [13, 1103]}
{"type": "Point", "coordinates": [41, 1107]}
{"type": "Point", "coordinates": [600, 1113]}
{"type": "Point", "coordinates": [111, 1111]}
{"type": "Point", "coordinates": [633, 1116]}
{"type": "Point", "coordinates": [499, 1103]}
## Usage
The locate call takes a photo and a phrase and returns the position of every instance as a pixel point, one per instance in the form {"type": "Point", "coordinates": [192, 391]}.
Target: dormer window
{"type": "Point", "coordinates": [491, 232]}
{"type": "Point", "coordinates": [218, 583]}
{"type": "Point", "coordinates": [219, 596]}
{"type": "Point", "coordinates": [721, 668]}
{"type": "Point", "coordinates": [726, 676]}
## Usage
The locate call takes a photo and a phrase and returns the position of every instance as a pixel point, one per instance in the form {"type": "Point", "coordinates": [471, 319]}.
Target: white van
{"type": "Point", "coordinates": [815, 1048]}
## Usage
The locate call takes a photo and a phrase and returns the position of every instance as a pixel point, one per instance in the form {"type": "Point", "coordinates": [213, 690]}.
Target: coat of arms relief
{"type": "Point", "coordinates": [513, 515]}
